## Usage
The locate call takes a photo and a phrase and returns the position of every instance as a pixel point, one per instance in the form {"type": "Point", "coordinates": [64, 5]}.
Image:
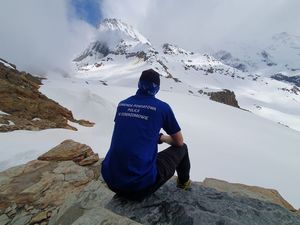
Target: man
{"type": "Point", "coordinates": [132, 167]}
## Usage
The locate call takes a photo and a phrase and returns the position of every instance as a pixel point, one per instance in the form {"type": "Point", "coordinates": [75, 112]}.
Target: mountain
{"type": "Point", "coordinates": [277, 54]}
{"type": "Point", "coordinates": [24, 107]}
{"type": "Point", "coordinates": [224, 142]}
{"type": "Point", "coordinates": [119, 54]}
{"type": "Point", "coordinates": [113, 37]}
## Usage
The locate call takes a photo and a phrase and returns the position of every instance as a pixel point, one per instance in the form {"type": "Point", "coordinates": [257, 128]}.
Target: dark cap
{"type": "Point", "coordinates": [150, 75]}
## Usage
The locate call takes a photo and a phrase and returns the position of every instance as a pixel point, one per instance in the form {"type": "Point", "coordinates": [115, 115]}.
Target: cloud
{"type": "Point", "coordinates": [40, 35]}
{"type": "Point", "coordinates": [198, 24]}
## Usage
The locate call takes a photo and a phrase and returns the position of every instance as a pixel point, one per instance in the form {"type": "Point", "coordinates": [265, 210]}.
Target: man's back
{"type": "Point", "coordinates": [134, 143]}
{"type": "Point", "coordinates": [132, 167]}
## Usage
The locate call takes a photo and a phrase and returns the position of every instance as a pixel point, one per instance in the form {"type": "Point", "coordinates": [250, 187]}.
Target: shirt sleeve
{"type": "Point", "coordinates": [170, 124]}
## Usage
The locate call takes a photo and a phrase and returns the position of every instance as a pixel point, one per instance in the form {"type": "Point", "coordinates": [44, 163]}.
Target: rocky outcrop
{"type": "Point", "coordinates": [290, 79]}
{"type": "Point", "coordinates": [69, 150]}
{"type": "Point", "coordinates": [57, 190]}
{"type": "Point", "coordinates": [26, 108]}
{"type": "Point", "coordinates": [201, 205]}
{"type": "Point", "coordinates": [32, 192]}
{"type": "Point", "coordinates": [226, 97]}
{"type": "Point", "coordinates": [264, 194]}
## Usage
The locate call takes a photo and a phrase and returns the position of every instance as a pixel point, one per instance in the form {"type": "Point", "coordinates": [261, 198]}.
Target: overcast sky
{"type": "Point", "coordinates": [195, 24]}
{"type": "Point", "coordinates": [39, 35]}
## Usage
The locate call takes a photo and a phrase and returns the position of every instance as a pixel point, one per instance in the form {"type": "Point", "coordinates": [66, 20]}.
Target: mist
{"type": "Point", "coordinates": [201, 24]}
{"type": "Point", "coordinates": [40, 36]}
{"type": "Point", "coordinates": [43, 37]}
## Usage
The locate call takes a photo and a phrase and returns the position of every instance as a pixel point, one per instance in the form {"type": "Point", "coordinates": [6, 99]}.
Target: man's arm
{"type": "Point", "coordinates": [174, 139]}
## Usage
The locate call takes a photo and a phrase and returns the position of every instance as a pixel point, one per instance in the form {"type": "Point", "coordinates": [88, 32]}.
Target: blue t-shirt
{"type": "Point", "coordinates": [130, 163]}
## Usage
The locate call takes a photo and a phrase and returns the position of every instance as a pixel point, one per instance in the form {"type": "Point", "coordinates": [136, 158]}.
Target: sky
{"type": "Point", "coordinates": [41, 35]}
{"type": "Point", "coordinates": [197, 24]}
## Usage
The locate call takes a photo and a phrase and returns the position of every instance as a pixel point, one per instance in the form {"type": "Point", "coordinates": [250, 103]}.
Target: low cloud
{"type": "Point", "coordinates": [200, 24]}
{"type": "Point", "coordinates": [40, 35]}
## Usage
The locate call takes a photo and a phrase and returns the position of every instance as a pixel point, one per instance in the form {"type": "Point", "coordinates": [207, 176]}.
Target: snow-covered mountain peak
{"type": "Point", "coordinates": [286, 38]}
{"type": "Point", "coordinates": [171, 49]}
{"type": "Point", "coordinates": [121, 29]}
{"type": "Point", "coordinates": [116, 38]}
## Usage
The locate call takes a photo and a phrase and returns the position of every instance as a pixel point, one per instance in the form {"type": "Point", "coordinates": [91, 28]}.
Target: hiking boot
{"type": "Point", "coordinates": [185, 186]}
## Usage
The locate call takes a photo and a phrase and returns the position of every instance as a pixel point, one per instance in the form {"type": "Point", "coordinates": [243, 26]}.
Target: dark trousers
{"type": "Point", "coordinates": [168, 161]}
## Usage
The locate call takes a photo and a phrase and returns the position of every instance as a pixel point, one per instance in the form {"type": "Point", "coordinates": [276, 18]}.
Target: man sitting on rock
{"type": "Point", "coordinates": [132, 167]}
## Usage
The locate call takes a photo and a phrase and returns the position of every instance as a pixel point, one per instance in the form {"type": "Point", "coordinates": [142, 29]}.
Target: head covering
{"type": "Point", "coordinates": [151, 76]}
{"type": "Point", "coordinates": [149, 82]}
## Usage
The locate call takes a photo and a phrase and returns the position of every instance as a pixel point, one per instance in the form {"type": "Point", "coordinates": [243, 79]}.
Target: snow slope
{"type": "Point", "coordinates": [127, 53]}
{"type": "Point", "coordinates": [224, 142]}
{"type": "Point", "coordinates": [277, 54]}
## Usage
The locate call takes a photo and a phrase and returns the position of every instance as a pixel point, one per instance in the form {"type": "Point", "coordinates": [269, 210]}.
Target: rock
{"type": "Point", "coordinates": [102, 216]}
{"type": "Point", "coordinates": [71, 150]}
{"type": "Point", "coordinates": [226, 97]}
{"type": "Point", "coordinates": [47, 183]}
{"type": "Point", "coordinates": [28, 208]}
{"type": "Point", "coordinates": [63, 192]}
{"type": "Point", "coordinates": [21, 219]}
{"type": "Point", "coordinates": [4, 219]}
{"type": "Point", "coordinates": [290, 79]}
{"type": "Point", "coordinates": [39, 217]}
{"type": "Point", "coordinates": [11, 211]}
{"type": "Point", "coordinates": [88, 208]}
{"type": "Point", "coordinates": [260, 193]}
{"type": "Point", "coordinates": [23, 104]}
{"type": "Point", "coordinates": [67, 150]}
{"type": "Point", "coordinates": [89, 160]}
{"type": "Point", "coordinates": [201, 205]}
{"type": "Point", "coordinates": [86, 123]}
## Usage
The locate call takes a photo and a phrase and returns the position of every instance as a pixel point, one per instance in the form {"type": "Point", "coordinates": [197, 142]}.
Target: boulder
{"type": "Point", "coordinates": [226, 97]}
{"type": "Point", "coordinates": [48, 183]}
{"type": "Point", "coordinates": [67, 150]}
{"type": "Point", "coordinates": [260, 193]}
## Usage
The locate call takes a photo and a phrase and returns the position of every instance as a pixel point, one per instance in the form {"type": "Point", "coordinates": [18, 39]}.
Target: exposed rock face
{"type": "Point", "coordinates": [292, 79]}
{"type": "Point", "coordinates": [202, 205]}
{"type": "Point", "coordinates": [25, 107]}
{"type": "Point", "coordinates": [226, 97]}
{"type": "Point", "coordinates": [38, 188]}
{"type": "Point", "coordinates": [263, 194]}
{"type": "Point", "coordinates": [63, 192]}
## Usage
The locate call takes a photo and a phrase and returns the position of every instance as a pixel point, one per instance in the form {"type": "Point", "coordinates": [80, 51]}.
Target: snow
{"type": "Point", "coordinates": [10, 123]}
{"type": "Point", "coordinates": [117, 26]}
{"type": "Point", "coordinates": [6, 64]}
{"type": "Point", "coordinates": [282, 50]}
{"type": "Point", "coordinates": [3, 113]}
{"type": "Point", "coordinates": [224, 142]}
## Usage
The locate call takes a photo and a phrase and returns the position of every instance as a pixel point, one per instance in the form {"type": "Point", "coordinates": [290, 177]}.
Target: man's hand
{"type": "Point", "coordinates": [174, 139]}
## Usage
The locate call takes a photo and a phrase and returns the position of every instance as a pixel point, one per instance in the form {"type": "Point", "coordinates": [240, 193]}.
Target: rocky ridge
{"type": "Point", "coordinates": [23, 107]}
{"type": "Point", "coordinates": [226, 97]}
{"type": "Point", "coordinates": [56, 189]}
